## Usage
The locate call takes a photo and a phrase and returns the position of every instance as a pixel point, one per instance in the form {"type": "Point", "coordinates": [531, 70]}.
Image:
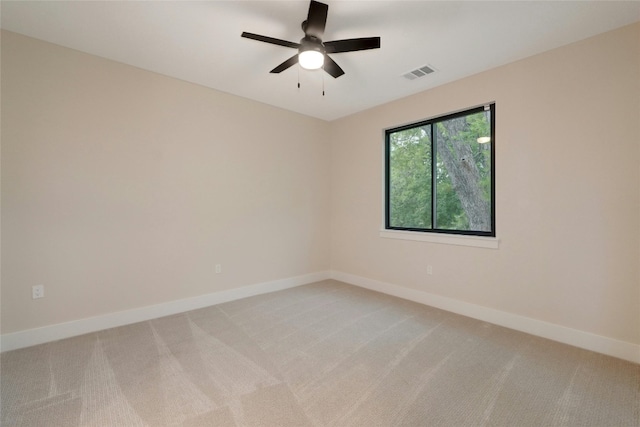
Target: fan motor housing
{"type": "Point", "coordinates": [312, 43]}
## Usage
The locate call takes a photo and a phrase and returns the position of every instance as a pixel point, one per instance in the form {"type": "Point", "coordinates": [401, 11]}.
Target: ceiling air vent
{"type": "Point", "coordinates": [418, 72]}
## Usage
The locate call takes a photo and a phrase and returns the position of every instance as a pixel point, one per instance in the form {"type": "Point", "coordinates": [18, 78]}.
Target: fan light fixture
{"type": "Point", "coordinates": [312, 51]}
{"type": "Point", "coordinates": [484, 139]}
{"type": "Point", "coordinates": [311, 59]}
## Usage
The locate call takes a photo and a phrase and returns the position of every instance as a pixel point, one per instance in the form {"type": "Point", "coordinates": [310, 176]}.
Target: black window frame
{"type": "Point", "coordinates": [431, 122]}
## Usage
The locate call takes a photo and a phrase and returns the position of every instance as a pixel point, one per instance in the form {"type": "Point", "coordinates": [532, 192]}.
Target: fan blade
{"type": "Point", "coordinates": [350, 45]}
{"type": "Point", "coordinates": [317, 19]}
{"type": "Point", "coordinates": [286, 64]}
{"type": "Point", "coordinates": [332, 68]}
{"type": "Point", "coordinates": [270, 40]}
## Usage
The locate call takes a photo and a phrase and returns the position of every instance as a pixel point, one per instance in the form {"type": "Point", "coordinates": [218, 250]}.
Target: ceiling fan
{"type": "Point", "coordinates": [312, 51]}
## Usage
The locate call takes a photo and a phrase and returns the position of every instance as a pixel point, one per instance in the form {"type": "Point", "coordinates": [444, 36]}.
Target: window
{"type": "Point", "coordinates": [439, 174]}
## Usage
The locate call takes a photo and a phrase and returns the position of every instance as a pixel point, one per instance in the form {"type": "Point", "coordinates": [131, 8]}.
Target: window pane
{"type": "Point", "coordinates": [410, 178]}
{"type": "Point", "coordinates": [463, 180]}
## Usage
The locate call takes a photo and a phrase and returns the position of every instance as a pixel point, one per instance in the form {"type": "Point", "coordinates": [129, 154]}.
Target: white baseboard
{"type": "Point", "coordinates": [600, 344]}
{"type": "Point", "coordinates": [609, 346]}
{"type": "Point", "coordinates": [59, 331]}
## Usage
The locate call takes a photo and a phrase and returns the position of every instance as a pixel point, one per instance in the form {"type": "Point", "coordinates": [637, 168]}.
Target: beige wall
{"type": "Point", "coordinates": [567, 176]}
{"type": "Point", "coordinates": [123, 188]}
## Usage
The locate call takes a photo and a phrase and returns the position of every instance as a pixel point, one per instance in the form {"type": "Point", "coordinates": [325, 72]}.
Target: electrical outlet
{"type": "Point", "coordinates": [37, 291]}
{"type": "Point", "coordinates": [218, 268]}
{"type": "Point", "coordinates": [429, 270]}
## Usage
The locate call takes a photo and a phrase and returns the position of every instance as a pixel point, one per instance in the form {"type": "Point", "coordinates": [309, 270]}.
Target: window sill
{"type": "Point", "coordinates": [447, 239]}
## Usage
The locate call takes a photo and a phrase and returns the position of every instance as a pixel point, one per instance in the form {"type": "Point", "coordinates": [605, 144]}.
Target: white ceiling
{"type": "Point", "coordinates": [199, 41]}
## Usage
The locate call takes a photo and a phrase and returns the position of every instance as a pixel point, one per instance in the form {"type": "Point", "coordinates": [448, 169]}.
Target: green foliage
{"type": "Point", "coordinates": [478, 125]}
{"type": "Point", "coordinates": [451, 215]}
{"type": "Point", "coordinates": [410, 192]}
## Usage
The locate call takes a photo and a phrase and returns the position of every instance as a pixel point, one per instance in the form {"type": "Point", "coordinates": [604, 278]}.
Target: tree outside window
{"type": "Point", "coordinates": [440, 174]}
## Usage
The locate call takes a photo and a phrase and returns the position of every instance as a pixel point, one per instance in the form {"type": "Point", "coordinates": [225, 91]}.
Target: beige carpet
{"type": "Point", "coordinates": [326, 354]}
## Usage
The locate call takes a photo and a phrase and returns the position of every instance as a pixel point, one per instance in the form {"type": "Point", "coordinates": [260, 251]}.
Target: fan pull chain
{"type": "Point", "coordinates": [323, 80]}
{"type": "Point", "coordinates": [298, 76]}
